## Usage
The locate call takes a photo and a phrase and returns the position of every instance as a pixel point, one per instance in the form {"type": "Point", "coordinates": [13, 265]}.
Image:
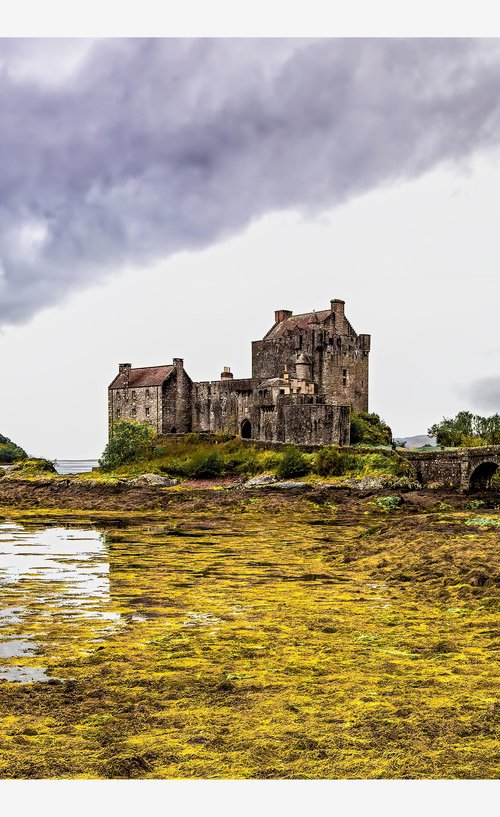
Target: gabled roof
{"type": "Point", "coordinates": [298, 322]}
{"type": "Point", "coordinates": [302, 322]}
{"type": "Point", "coordinates": [146, 376]}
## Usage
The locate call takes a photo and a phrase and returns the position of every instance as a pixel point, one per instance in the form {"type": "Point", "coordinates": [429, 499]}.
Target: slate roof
{"type": "Point", "coordinates": [298, 322]}
{"type": "Point", "coordinates": [146, 376]}
{"type": "Point", "coordinates": [302, 322]}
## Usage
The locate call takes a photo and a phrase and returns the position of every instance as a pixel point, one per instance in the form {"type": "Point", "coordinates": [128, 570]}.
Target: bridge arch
{"type": "Point", "coordinates": [481, 476]}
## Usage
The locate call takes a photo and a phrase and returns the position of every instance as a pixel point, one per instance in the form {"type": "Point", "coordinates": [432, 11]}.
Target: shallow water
{"type": "Point", "coordinates": [42, 570]}
{"type": "Point", "coordinates": [75, 466]}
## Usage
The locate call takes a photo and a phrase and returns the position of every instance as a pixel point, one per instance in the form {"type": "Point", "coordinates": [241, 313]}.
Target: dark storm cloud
{"type": "Point", "coordinates": [149, 147]}
{"type": "Point", "coordinates": [485, 393]}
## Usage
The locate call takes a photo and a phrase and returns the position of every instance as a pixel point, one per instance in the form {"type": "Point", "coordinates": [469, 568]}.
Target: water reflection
{"type": "Point", "coordinates": [48, 575]}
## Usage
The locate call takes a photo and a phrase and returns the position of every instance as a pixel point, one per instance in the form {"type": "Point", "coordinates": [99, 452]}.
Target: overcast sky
{"type": "Point", "coordinates": [161, 198]}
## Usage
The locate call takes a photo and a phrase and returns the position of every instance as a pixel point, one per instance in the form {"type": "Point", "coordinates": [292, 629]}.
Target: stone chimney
{"type": "Point", "coordinates": [282, 314]}
{"type": "Point", "coordinates": [337, 307]}
{"type": "Point", "coordinates": [226, 374]}
{"type": "Point", "coordinates": [124, 369]}
{"type": "Point", "coordinates": [178, 363]}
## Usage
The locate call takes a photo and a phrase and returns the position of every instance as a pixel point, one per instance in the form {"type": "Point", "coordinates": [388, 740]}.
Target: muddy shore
{"type": "Point", "coordinates": [89, 495]}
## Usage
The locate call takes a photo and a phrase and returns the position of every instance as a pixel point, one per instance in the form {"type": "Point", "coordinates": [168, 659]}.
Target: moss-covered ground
{"type": "Point", "coordinates": [264, 637]}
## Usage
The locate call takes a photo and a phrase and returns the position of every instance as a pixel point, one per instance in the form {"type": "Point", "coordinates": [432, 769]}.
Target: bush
{"type": "Point", "coordinates": [36, 466]}
{"type": "Point", "coordinates": [293, 464]}
{"type": "Point", "coordinates": [205, 466]}
{"type": "Point", "coordinates": [369, 429]}
{"type": "Point", "coordinates": [330, 462]}
{"type": "Point", "coordinates": [130, 441]}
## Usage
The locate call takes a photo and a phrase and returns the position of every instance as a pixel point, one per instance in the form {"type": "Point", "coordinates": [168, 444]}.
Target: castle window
{"type": "Point", "coordinates": [147, 392]}
{"type": "Point", "coordinates": [147, 411]}
{"type": "Point", "coordinates": [118, 412]}
{"type": "Point", "coordinates": [345, 375]}
{"type": "Point", "coordinates": [134, 412]}
{"type": "Point", "coordinates": [118, 395]}
{"type": "Point", "coordinates": [282, 391]}
{"type": "Point", "coordinates": [134, 395]}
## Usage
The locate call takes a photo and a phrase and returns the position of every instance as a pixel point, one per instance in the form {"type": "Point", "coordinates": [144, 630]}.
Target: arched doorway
{"type": "Point", "coordinates": [481, 477]}
{"type": "Point", "coordinates": [246, 429]}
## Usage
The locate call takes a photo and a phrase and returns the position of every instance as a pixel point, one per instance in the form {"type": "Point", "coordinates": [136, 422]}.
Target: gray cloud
{"type": "Point", "coordinates": [484, 393]}
{"type": "Point", "coordinates": [141, 148]}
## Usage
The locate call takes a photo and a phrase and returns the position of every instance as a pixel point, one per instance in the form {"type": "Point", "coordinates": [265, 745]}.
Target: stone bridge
{"type": "Point", "coordinates": [467, 469]}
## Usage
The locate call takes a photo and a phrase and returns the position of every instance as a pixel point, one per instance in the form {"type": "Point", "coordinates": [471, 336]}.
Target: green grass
{"type": "Point", "coordinates": [195, 457]}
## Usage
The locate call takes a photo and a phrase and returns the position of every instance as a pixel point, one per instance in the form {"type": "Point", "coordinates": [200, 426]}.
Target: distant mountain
{"type": "Point", "coordinates": [418, 441]}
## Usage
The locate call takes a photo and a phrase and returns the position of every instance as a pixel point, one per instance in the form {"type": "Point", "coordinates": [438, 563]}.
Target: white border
{"type": "Point", "coordinates": [224, 18]}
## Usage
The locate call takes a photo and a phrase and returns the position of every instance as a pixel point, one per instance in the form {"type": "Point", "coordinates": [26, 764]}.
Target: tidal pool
{"type": "Point", "coordinates": [48, 578]}
{"type": "Point", "coordinates": [263, 638]}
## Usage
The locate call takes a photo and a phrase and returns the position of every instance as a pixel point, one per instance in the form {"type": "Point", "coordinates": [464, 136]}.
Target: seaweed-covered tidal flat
{"type": "Point", "coordinates": [264, 638]}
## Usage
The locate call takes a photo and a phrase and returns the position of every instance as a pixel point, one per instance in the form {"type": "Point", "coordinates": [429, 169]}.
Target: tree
{"type": "Point", "coordinates": [130, 441]}
{"type": "Point", "coordinates": [9, 451]}
{"type": "Point", "coordinates": [466, 429]}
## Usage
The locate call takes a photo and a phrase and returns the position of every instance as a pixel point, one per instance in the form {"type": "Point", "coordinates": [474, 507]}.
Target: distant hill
{"type": "Point", "coordinates": [418, 441]}
{"type": "Point", "coordinates": [9, 451]}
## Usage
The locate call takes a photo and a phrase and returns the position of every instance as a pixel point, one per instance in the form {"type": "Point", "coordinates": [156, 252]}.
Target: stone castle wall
{"type": "Point", "coordinates": [143, 405]}
{"type": "Point", "coordinates": [326, 366]}
{"type": "Point", "coordinates": [221, 405]}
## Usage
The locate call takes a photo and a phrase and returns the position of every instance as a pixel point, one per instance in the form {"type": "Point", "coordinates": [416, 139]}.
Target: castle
{"type": "Point", "coordinates": [308, 372]}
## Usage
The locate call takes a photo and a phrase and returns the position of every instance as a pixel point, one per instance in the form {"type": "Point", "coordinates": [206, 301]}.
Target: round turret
{"type": "Point", "coordinates": [303, 367]}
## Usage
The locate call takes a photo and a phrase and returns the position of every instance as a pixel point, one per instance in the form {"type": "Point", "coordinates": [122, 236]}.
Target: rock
{"type": "Point", "coordinates": [373, 484]}
{"type": "Point", "coordinates": [262, 479]}
{"type": "Point", "coordinates": [154, 480]}
{"type": "Point", "coordinates": [369, 483]}
{"type": "Point", "coordinates": [270, 481]}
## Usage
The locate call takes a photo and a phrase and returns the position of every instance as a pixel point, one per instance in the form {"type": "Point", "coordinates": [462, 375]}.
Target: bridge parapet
{"type": "Point", "coordinates": [458, 468]}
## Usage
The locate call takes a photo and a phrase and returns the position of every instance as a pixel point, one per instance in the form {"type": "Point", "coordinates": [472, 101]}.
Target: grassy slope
{"type": "Point", "coordinates": [271, 637]}
{"type": "Point", "coordinates": [188, 457]}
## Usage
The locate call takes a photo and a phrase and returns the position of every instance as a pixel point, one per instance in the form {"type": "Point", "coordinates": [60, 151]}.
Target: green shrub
{"type": "Point", "coordinates": [330, 462]}
{"type": "Point", "coordinates": [205, 466]}
{"type": "Point", "coordinates": [130, 441]}
{"type": "Point", "coordinates": [369, 429]}
{"type": "Point", "coordinates": [292, 464]}
{"type": "Point", "coordinates": [37, 466]}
